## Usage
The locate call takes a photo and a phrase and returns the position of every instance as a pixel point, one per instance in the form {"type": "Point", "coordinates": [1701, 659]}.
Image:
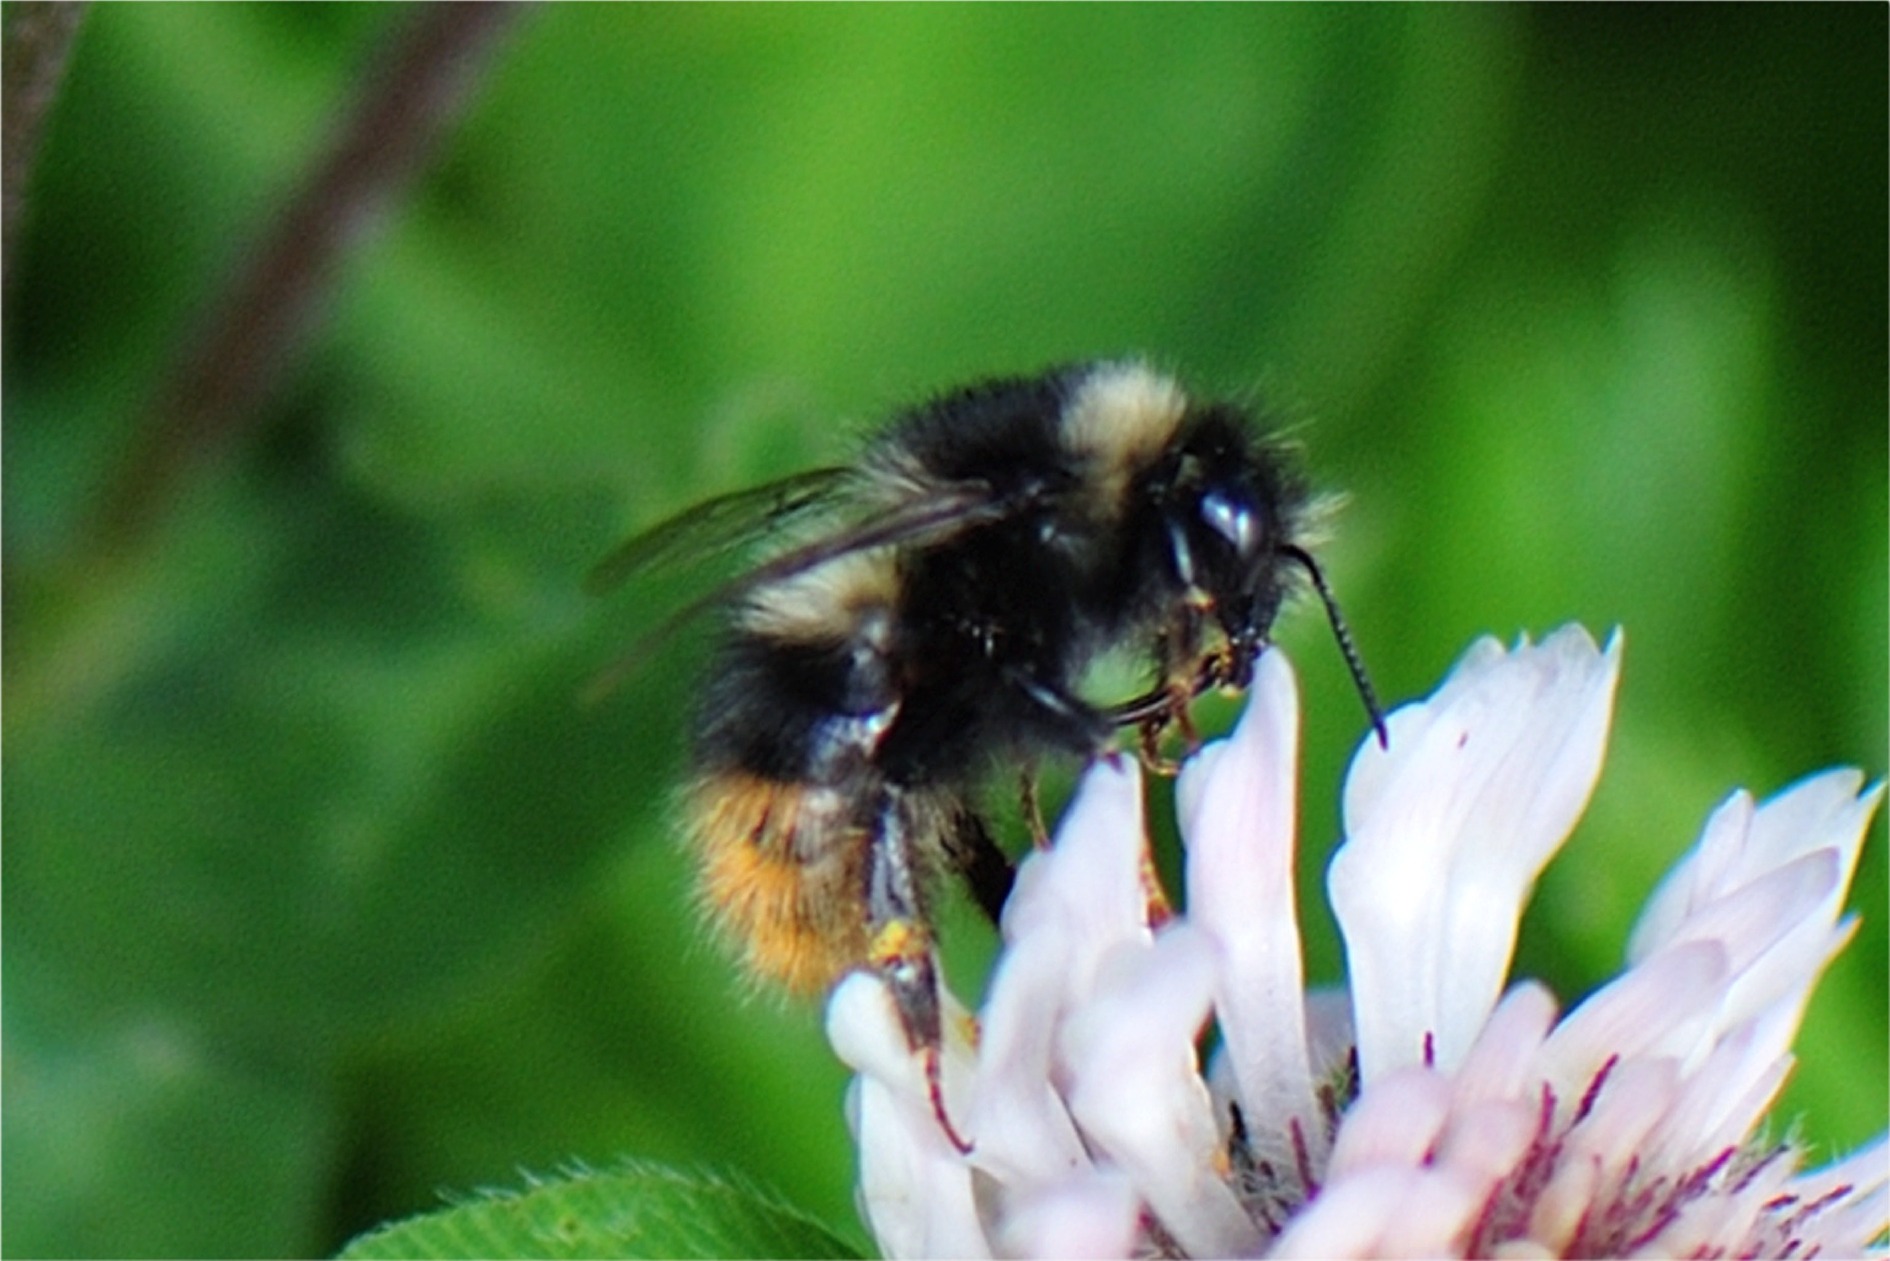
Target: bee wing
{"type": "Point", "coordinates": [725, 522]}
{"type": "Point", "coordinates": [924, 518]}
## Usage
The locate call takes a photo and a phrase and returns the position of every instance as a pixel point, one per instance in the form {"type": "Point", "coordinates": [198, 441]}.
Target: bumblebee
{"type": "Point", "coordinates": [927, 614]}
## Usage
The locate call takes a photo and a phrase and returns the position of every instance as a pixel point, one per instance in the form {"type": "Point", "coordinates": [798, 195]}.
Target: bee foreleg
{"type": "Point", "coordinates": [1067, 720]}
{"type": "Point", "coordinates": [1151, 753]}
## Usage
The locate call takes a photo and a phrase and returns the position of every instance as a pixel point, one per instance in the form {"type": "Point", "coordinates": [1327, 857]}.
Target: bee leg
{"type": "Point", "coordinates": [1150, 707]}
{"type": "Point", "coordinates": [1161, 708]}
{"type": "Point", "coordinates": [1072, 723]}
{"type": "Point", "coordinates": [1033, 808]}
{"type": "Point", "coordinates": [986, 869]}
{"type": "Point", "coordinates": [1185, 673]}
{"type": "Point", "coordinates": [901, 950]}
{"type": "Point", "coordinates": [1190, 734]}
{"type": "Point", "coordinates": [1151, 748]}
{"type": "Point", "coordinates": [1155, 898]}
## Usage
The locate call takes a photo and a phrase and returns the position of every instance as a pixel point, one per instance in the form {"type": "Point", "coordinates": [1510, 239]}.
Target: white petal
{"type": "Point", "coordinates": [1486, 1140]}
{"type": "Point", "coordinates": [1087, 887]}
{"type": "Point", "coordinates": [1563, 1206]}
{"type": "Point", "coordinates": [916, 1198]}
{"type": "Point", "coordinates": [1023, 1131]}
{"type": "Point", "coordinates": [1769, 881]}
{"type": "Point", "coordinates": [1632, 1101]}
{"type": "Point", "coordinates": [1854, 1227]}
{"type": "Point", "coordinates": [1373, 770]}
{"type": "Point", "coordinates": [1094, 1215]}
{"type": "Point", "coordinates": [1349, 1218]}
{"type": "Point", "coordinates": [1503, 1061]}
{"type": "Point", "coordinates": [1395, 1120]}
{"type": "Point", "coordinates": [1857, 1227]}
{"type": "Point", "coordinates": [1720, 1106]}
{"type": "Point", "coordinates": [1138, 1096]}
{"type": "Point", "coordinates": [1775, 1028]}
{"type": "Point", "coordinates": [1238, 827]}
{"type": "Point", "coordinates": [1446, 831]}
{"type": "Point", "coordinates": [1658, 1003]}
{"type": "Point", "coordinates": [915, 1188]}
{"type": "Point", "coordinates": [1741, 1216]}
{"type": "Point", "coordinates": [1741, 843]}
{"type": "Point", "coordinates": [1866, 1169]}
{"type": "Point", "coordinates": [1718, 860]}
{"type": "Point", "coordinates": [1385, 1211]}
{"type": "Point", "coordinates": [1751, 925]}
{"type": "Point", "coordinates": [1330, 1036]}
{"type": "Point", "coordinates": [1750, 919]}
{"type": "Point", "coordinates": [1854, 1219]}
{"type": "Point", "coordinates": [1074, 905]}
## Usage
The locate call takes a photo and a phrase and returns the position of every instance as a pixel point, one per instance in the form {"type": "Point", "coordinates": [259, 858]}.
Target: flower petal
{"type": "Point", "coordinates": [1853, 1222]}
{"type": "Point", "coordinates": [1487, 1140]}
{"type": "Point", "coordinates": [1075, 903]}
{"type": "Point", "coordinates": [1023, 1129]}
{"type": "Point", "coordinates": [1741, 843]}
{"type": "Point", "coordinates": [1385, 1211]}
{"type": "Point", "coordinates": [1396, 1120]}
{"type": "Point", "coordinates": [1238, 826]}
{"type": "Point", "coordinates": [1474, 1125]}
{"type": "Point", "coordinates": [1086, 887]}
{"type": "Point", "coordinates": [1137, 1092]}
{"type": "Point", "coordinates": [1769, 881]}
{"type": "Point", "coordinates": [1094, 1215]}
{"type": "Point", "coordinates": [1656, 1004]}
{"type": "Point", "coordinates": [915, 1188]}
{"type": "Point", "coordinates": [1503, 1063]}
{"type": "Point", "coordinates": [1446, 831]}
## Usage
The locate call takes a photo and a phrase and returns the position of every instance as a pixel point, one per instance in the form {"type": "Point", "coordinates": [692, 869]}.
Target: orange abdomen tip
{"type": "Point", "coordinates": [778, 876]}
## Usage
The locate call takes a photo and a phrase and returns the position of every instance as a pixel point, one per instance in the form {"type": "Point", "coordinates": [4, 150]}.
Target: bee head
{"type": "Point", "coordinates": [1233, 513]}
{"type": "Point", "coordinates": [1237, 563]}
{"type": "Point", "coordinates": [1228, 512]}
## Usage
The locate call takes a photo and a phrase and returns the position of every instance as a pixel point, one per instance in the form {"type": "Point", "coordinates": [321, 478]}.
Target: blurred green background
{"type": "Point", "coordinates": [322, 894]}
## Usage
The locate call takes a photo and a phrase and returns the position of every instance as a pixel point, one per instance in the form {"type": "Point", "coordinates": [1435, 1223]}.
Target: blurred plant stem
{"type": "Point", "coordinates": [38, 38]}
{"type": "Point", "coordinates": [213, 395]}
{"type": "Point", "coordinates": [407, 100]}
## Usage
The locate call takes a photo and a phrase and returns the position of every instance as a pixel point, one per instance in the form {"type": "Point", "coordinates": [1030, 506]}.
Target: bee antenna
{"type": "Point", "coordinates": [1301, 557]}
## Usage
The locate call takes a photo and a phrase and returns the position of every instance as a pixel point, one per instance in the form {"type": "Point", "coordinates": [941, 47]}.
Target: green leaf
{"type": "Point", "coordinates": [639, 1210]}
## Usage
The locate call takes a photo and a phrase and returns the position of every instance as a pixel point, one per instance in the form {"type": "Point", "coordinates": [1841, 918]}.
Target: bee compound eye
{"type": "Point", "coordinates": [1234, 520]}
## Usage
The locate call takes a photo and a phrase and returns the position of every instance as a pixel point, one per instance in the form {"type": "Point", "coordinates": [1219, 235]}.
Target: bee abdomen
{"type": "Point", "coordinates": [781, 867]}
